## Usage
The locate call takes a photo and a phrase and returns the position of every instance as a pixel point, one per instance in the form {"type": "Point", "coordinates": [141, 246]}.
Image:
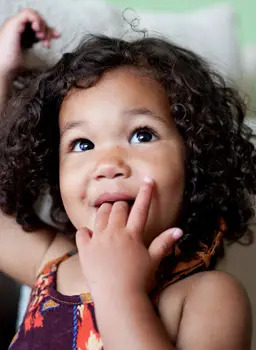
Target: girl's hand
{"type": "Point", "coordinates": [11, 57]}
{"type": "Point", "coordinates": [113, 257]}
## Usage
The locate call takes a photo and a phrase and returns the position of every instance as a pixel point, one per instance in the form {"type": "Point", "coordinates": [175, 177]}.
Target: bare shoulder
{"type": "Point", "coordinates": [60, 245]}
{"type": "Point", "coordinates": [215, 312]}
{"type": "Point", "coordinates": [22, 253]}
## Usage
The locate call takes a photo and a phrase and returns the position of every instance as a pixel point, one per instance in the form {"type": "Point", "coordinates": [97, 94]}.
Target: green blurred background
{"type": "Point", "coordinates": [245, 9]}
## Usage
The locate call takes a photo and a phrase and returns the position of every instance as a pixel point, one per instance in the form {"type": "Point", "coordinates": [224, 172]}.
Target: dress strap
{"type": "Point", "coordinates": [184, 267]}
{"type": "Point", "coordinates": [55, 262]}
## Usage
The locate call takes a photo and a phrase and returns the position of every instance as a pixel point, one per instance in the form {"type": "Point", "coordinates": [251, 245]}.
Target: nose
{"type": "Point", "coordinates": [112, 165]}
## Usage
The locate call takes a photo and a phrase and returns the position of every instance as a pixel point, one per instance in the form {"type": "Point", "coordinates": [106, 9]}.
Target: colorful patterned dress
{"type": "Point", "coordinates": [54, 321]}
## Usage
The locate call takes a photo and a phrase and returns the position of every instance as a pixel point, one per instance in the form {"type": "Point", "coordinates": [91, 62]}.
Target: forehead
{"type": "Point", "coordinates": [117, 90]}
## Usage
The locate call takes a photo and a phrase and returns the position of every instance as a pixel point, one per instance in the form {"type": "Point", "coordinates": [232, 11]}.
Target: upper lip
{"type": "Point", "coordinates": [112, 197]}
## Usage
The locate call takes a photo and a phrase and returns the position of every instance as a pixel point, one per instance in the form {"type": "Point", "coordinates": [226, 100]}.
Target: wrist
{"type": "Point", "coordinates": [117, 294]}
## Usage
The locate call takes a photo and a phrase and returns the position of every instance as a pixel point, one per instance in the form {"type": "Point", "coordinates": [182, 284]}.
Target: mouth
{"type": "Point", "coordinates": [114, 197]}
{"type": "Point", "coordinates": [129, 202]}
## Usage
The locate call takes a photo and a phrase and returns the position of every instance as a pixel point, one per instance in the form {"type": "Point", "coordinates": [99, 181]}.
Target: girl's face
{"type": "Point", "coordinates": [112, 136]}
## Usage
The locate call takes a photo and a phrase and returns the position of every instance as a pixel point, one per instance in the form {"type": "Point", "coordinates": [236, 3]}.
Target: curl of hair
{"type": "Point", "coordinates": [220, 160]}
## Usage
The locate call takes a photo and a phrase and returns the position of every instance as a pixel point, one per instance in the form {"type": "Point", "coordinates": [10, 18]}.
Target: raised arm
{"type": "Point", "coordinates": [21, 253]}
{"type": "Point", "coordinates": [17, 34]}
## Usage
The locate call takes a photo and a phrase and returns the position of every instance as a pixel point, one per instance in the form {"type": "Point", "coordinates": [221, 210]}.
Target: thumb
{"type": "Point", "coordinates": [83, 236]}
{"type": "Point", "coordinates": [162, 245]}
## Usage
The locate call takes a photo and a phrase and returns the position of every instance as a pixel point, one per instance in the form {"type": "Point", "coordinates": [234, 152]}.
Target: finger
{"type": "Point", "coordinates": [37, 22]}
{"type": "Point", "coordinates": [21, 27]}
{"type": "Point", "coordinates": [102, 217]}
{"type": "Point", "coordinates": [47, 43]}
{"type": "Point", "coordinates": [48, 37]}
{"type": "Point", "coordinates": [139, 213]}
{"type": "Point", "coordinates": [119, 215]}
{"type": "Point", "coordinates": [55, 34]}
{"type": "Point", "coordinates": [163, 244]}
{"type": "Point", "coordinates": [40, 35]}
{"type": "Point", "coordinates": [29, 15]}
{"type": "Point", "coordinates": [21, 20]}
{"type": "Point", "coordinates": [37, 25]}
{"type": "Point", "coordinates": [83, 236]}
{"type": "Point", "coordinates": [40, 28]}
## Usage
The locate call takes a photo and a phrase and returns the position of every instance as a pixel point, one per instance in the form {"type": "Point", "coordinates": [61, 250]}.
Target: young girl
{"type": "Point", "coordinates": [143, 149]}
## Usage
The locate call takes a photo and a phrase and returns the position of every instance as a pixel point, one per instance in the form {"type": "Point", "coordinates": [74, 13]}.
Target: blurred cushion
{"type": "Point", "coordinates": [211, 32]}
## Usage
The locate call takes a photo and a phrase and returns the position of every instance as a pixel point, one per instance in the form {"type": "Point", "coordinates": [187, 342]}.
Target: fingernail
{"type": "Point", "coordinates": [177, 234]}
{"type": "Point", "coordinates": [148, 179]}
{"type": "Point", "coordinates": [35, 26]}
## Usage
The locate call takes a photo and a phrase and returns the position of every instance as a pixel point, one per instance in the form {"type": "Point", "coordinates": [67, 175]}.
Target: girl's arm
{"type": "Point", "coordinates": [21, 252]}
{"type": "Point", "coordinates": [5, 85]}
{"type": "Point", "coordinates": [24, 254]}
{"type": "Point", "coordinates": [128, 321]}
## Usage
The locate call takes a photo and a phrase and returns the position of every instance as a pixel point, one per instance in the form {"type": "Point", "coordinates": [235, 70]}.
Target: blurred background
{"type": "Point", "coordinates": [224, 32]}
{"type": "Point", "coordinates": [244, 12]}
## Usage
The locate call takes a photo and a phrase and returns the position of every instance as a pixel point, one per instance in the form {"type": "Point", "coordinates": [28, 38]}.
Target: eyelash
{"type": "Point", "coordinates": [138, 128]}
{"type": "Point", "coordinates": [144, 128]}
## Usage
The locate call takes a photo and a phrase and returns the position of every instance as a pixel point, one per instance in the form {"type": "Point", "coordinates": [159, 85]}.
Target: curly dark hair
{"type": "Point", "coordinates": [209, 114]}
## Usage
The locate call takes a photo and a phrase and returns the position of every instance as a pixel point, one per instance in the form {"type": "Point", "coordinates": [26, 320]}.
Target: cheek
{"type": "Point", "coordinates": [70, 186]}
{"type": "Point", "coordinates": [168, 171]}
{"type": "Point", "coordinates": [170, 187]}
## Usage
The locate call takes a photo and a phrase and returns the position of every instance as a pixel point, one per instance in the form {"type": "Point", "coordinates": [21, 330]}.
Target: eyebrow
{"type": "Point", "coordinates": [147, 112]}
{"type": "Point", "coordinates": [127, 113]}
